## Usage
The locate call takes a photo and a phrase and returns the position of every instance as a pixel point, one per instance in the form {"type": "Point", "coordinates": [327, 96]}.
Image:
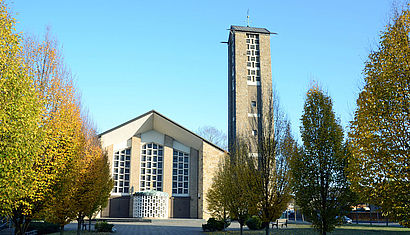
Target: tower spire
{"type": "Point", "coordinates": [247, 17]}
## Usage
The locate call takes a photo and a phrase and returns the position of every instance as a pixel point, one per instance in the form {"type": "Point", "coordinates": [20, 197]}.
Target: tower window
{"type": "Point", "coordinates": [253, 103]}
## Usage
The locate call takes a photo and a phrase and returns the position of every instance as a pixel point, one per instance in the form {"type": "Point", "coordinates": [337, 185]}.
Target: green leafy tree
{"type": "Point", "coordinates": [380, 131]}
{"type": "Point", "coordinates": [320, 184]}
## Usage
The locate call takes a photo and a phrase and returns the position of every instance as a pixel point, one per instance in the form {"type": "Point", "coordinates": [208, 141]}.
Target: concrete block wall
{"type": "Point", "coordinates": [211, 158]}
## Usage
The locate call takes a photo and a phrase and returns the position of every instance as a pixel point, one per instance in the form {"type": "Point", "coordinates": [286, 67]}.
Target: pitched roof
{"type": "Point", "coordinates": [167, 119]}
{"type": "Point", "coordinates": [250, 29]}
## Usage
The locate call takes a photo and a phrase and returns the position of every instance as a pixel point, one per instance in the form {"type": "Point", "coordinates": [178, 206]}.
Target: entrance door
{"type": "Point", "coordinates": [119, 207]}
{"type": "Point", "coordinates": [180, 207]}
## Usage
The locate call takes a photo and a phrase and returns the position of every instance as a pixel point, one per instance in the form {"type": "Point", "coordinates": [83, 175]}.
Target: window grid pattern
{"type": "Point", "coordinates": [253, 58]}
{"type": "Point", "coordinates": [180, 173]}
{"type": "Point", "coordinates": [122, 163]}
{"type": "Point", "coordinates": [151, 174]}
{"type": "Point", "coordinates": [150, 206]}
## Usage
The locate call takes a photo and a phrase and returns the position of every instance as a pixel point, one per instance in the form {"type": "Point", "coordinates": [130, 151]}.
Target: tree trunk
{"type": "Point", "coordinates": [357, 216]}
{"type": "Point", "coordinates": [79, 220]}
{"type": "Point", "coordinates": [25, 226]}
{"type": "Point", "coordinates": [241, 225]}
{"type": "Point", "coordinates": [20, 224]}
{"type": "Point", "coordinates": [61, 229]}
{"type": "Point", "coordinates": [370, 214]}
{"type": "Point", "coordinates": [295, 213]}
{"type": "Point", "coordinates": [89, 223]}
{"type": "Point", "coordinates": [17, 225]}
{"type": "Point", "coordinates": [267, 229]}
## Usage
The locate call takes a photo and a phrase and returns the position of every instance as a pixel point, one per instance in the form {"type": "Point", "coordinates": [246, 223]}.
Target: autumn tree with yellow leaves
{"type": "Point", "coordinates": [86, 188]}
{"type": "Point", "coordinates": [380, 131]}
{"type": "Point", "coordinates": [43, 136]}
{"type": "Point", "coordinates": [21, 138]}
{"type": "Point", "coordinates": [232, 193]}
{"type": "Point", "coordinates": [93, 182]}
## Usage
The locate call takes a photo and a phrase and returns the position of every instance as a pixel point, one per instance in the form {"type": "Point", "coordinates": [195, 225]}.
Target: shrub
{"type": "Point", "coordinates": [254, 223]}
{"type": "Point", "coordinates": [103, 226]}
{"type": "Point", "coordinates": [227, 222]}
{"type": "Point", "coordinates": [214, 225]}
{"type": "Point", "coordinates": [43, 227]}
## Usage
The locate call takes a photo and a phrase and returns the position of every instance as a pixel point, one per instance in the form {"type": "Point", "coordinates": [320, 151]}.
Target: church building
{"type": "Point", "coordinates": [160, 169]}
{"type": "Point", "coordinates": [163, 170]}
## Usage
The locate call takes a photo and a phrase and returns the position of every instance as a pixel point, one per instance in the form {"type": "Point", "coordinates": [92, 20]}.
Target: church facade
{"type": "Point", "coordinates": [155, 163]}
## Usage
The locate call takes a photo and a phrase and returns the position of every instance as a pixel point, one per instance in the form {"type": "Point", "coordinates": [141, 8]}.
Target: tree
{"type": "Point", "coordinates": [40, 123]}
{"type": "Point", "coordinates": [60, 123]}
{"type": "Point", "coordinates": [217, 194]}
{"type": "Point", "coordinates": [232, 192]}
{"type": "Point", "coordinates": [320, 184]}
{"type": "Point", "coordinates": [380, 132]}
{"type": "Point", "coordinates": [104, 184]}
{"type": "Point", "coordinates": [93, 182]}
{"type": "Point", "coordinates": [257, 184]}
{"type": "Point", "coordinates": [275, 147]}
{"type": "Point", "coordinates": [86, 188]}
{"type": "Point", "coordinates": [213, 135]}
{"type": "Point", "coordinates": [43, 137]}
{"type": "Point", "coordinates": [20, 136]}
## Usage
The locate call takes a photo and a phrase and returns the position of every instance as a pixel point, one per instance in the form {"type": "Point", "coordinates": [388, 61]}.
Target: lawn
{"type": "Point", "coordinates": [296, 229]}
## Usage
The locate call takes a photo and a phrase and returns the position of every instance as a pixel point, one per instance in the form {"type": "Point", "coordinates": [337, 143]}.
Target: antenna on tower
{"type": "Point", "coordinates": [247, 17]}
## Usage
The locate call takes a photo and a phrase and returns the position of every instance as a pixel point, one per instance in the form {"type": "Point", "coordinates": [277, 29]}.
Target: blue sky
{"type": "Point", "coordinates": [133, 56]}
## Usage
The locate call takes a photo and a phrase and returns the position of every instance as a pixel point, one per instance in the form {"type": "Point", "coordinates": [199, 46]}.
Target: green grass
{"type": "Point", "coordinates": [302, 229]}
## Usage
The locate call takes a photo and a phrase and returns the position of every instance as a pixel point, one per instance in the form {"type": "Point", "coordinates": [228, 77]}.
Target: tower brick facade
{"type": "Point", "coordinates": [249, 83]}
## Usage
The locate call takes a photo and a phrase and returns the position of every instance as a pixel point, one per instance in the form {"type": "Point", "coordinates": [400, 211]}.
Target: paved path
{"type": "Point", "coordinates": [161, 227]}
